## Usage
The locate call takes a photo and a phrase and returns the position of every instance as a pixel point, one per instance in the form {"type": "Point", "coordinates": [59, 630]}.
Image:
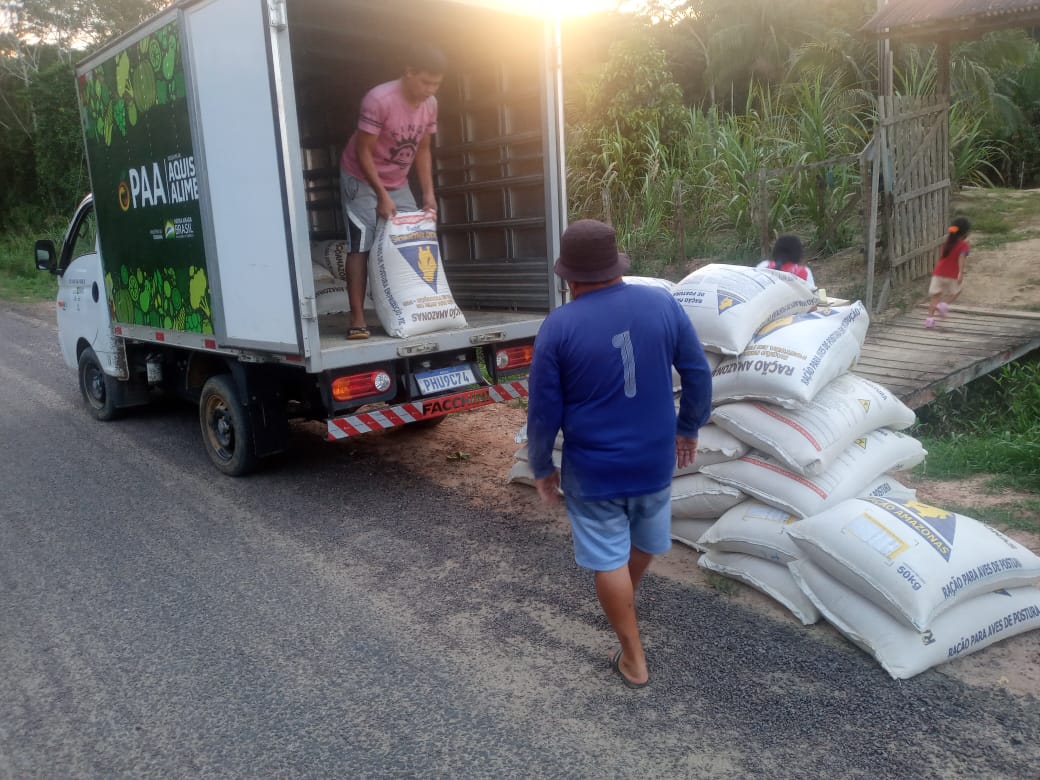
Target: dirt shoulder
{"type": "Point", "coordinates": [471, 454]}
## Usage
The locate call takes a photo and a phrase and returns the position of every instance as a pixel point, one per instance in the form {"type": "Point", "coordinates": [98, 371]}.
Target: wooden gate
{"type": "Point", "coordinates": [915, 170]}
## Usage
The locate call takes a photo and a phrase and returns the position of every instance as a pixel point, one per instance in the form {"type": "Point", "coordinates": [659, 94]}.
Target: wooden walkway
{"type": "Point", "coordinates": [918, 364]}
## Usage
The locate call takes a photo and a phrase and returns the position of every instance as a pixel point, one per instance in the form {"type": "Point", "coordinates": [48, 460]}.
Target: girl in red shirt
{"type": "Point", "coordinates": [948, 275]}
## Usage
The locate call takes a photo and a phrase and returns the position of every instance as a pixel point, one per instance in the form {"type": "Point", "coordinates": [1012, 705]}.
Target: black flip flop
{"type": "Point", "coordinates": [614, 665]}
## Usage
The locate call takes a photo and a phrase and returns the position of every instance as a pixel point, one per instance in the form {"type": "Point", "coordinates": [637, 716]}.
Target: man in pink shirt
{"type": "Point", "coordinates": [393, 133]}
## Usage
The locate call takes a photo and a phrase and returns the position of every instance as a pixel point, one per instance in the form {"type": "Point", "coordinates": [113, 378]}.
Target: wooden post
{"type": "Point", "coordinates": [885, 70]}
{"type": "Point", "coordinates": [607, 217]}
{"type": "Point", "coordinates": [763, 205]}
{"type": "Point", "coordinates": [680, 222]}
{"type": "Point", "coordinates": [875, 171]}
{"type": "Point", "coordinates": [942, 76]}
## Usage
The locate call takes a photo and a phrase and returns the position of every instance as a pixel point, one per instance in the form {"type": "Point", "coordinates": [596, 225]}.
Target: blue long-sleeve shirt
{"type": "Point", "coordinates": [602, 372]}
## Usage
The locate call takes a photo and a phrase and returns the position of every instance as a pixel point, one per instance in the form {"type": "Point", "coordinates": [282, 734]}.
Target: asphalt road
{"type": "Point", "coordinates": [333, 616]}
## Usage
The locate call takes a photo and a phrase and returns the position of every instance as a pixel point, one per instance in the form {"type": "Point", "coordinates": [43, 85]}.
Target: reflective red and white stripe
{"type": "Point", "coordinates": [393, 416]}
{"type": "Point", "coordinates": [510, 391]}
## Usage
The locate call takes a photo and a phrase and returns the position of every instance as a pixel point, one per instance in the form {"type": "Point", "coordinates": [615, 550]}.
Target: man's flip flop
{"type": "Point", "coordinates": [614, 665]}
{"type": "Point", "coordinates": [357, 333]}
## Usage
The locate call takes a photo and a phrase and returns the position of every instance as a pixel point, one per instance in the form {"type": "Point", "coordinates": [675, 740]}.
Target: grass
{"type": "Point", "coordinates": [1021, 515]}
{"type": "Point", "coordinates": [993, 241]}
{"type": "Point", "coordinates": [722, 584]}
{"type": "Point", "coordinates": [999, 215]}
{"type": "Point", "coordinates": [991, 426]}
{"type": "Point", "coordinates": [1015, 456]}
{"type": "Point", "coordinates": [19, 279]}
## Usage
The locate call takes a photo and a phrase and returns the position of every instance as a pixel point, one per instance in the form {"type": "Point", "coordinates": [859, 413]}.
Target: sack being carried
{"type": "Point", "coordinates": [407, 279]}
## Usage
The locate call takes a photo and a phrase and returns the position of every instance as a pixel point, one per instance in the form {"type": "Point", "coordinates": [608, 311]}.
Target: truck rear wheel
{"type": "Point", "coordinates": [226, 428]}
{"type": "Point", "coordinates": [99, 390]}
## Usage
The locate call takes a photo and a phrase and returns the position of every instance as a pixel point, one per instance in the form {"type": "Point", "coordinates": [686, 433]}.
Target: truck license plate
{"type": "Point", "coordinates": [444, 379]}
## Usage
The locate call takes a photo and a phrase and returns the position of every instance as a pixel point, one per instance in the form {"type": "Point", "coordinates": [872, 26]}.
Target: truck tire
{"type": "Point", "coordinates": [227, 431]}
{"type": "Point", "coordinates": [99, 390]}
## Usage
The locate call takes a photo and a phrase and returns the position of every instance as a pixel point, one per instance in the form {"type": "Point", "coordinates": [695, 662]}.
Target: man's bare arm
{"type": "Point", "coordinates": [366, 144]}
{"type": "Point", "coordinates": [424, 169]}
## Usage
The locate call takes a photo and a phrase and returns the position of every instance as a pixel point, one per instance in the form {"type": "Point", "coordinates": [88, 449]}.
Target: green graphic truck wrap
{"type": "Point", "coordinates": [143, 171]}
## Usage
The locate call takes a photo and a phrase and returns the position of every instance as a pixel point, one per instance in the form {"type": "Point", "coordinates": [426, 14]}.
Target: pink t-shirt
{"type": "Point", "coordinates": [399, 128]}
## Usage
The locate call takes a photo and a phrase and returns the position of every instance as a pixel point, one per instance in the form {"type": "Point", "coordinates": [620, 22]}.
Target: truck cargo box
{"type": "Point", "coordinates": [214, 135]}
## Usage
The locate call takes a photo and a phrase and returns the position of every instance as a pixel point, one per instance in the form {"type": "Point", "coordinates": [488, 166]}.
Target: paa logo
{"type": "Point", "coordinates": [124, 196]}
{"type": "Point", "coordinates": [169, 231]}
{"type": "Point", "coordinates": [423, 258]}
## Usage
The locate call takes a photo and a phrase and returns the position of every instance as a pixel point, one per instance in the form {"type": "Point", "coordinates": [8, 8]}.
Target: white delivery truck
{"type": "Point", "coordinates": [213, 135]}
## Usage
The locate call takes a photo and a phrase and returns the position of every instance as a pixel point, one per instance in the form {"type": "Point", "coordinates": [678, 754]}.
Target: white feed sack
{"type": "Point", "coordinates": [330, 295]}
{"type": "Point", "coordinates": [521, 470]}
{"type": "Point", "coordinates": [714, 445]}
{"type": "Point", "coordinates": [904, 652]}
{"type": "Point", "coordinates": [407, 278]}
{"type": "Point", "coordinates": [763, 477]}
{"type": "Point", "coordinates": [332, 256]}
{"type": "Point", "coordinates": [809, 438]}
{"type": "Point", "coordinates": [520, 437]}
{"type": "Point", "coordinates": [773, 579]}
{"type": "Point", "coordinates": [728, 303]}
{"type": "Point", "coordinates": [753, 528]}
{"type": "Point", "coordinates": [697, 497]}
{"type": "Point", "coordinates": [889, 487]}
{"type": "Point", "coordinates": [913, 560]}
{"type": "Point", "coordinates": [650, 281]}
{"type": "Point", "coordinates": [688, 531]}
{"type": "Point", "coordinates": [791, 359]}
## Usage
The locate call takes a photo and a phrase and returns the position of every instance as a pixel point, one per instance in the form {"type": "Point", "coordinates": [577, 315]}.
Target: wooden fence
{"type": "Point", "coordinates": [914, 137]}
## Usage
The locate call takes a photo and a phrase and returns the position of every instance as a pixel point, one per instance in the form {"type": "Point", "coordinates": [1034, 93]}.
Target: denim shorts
{"type": "Point", "coordinates": [605, 531]}
{"type": "Point", "coordinates": [359, 203]}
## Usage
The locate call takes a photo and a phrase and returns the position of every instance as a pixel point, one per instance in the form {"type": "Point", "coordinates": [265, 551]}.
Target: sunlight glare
{"type": "Point", "coordinates": [551, 8]}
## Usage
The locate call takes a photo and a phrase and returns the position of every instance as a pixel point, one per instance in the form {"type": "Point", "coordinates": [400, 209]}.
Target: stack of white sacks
{"type": "Point", "coordinates": [790, 491]}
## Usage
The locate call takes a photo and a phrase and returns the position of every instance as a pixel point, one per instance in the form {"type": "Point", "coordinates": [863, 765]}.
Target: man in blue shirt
{"type": "Point", "coordinates": [602, 372]}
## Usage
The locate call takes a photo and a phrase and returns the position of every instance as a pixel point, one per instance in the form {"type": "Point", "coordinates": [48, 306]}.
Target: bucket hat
{"type": "Point", "coordinates": [588, 253]}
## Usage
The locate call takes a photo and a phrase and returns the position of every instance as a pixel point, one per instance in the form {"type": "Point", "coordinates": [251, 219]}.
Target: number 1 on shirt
{"type": "Point", "coordinates": [623, 342]}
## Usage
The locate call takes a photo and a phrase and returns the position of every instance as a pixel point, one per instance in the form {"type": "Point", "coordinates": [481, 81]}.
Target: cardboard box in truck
{"type": "Point", "coordinates": [213, 134]}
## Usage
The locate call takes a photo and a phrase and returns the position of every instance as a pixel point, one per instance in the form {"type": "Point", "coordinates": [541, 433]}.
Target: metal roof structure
{"type": "Point", "coordinates": [950, 19]}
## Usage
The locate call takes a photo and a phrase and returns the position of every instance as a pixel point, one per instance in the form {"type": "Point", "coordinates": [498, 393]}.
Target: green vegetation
{"type": "Point", "coordinates": [1021, 515]}
{"type": "Point", "coordinates": [724, 585]}
{"type": "Point", "coordinates": [999, 215]}
{"type": "Point", "coordinates": [672, 114]}
{"type": "Point", "coordinates": [19, 279]}
{"type": "Point", "coordinates": [990, 427]}
{"type": "Point", "coordinates": [991, 241]}
{"type": "Point", "coordinates": [671, 122]}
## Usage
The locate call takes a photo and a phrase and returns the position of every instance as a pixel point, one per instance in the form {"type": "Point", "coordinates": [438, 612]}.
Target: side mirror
{"type": "Point", "coordinates": [46, 255]}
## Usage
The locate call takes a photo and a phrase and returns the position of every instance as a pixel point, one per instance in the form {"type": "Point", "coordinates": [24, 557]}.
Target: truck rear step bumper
{"type": "Point", "coordinates": [393, 416]}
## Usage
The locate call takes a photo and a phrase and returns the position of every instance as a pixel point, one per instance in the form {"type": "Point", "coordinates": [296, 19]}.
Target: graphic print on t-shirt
{"type": "Point", "coordinates": [406, 141]}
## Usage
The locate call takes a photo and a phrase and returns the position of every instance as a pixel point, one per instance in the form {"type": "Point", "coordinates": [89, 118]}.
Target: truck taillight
{"type": "Point", "coordinates": [512, 358]}
{"type": "Point", "coordinates": [347, 388]}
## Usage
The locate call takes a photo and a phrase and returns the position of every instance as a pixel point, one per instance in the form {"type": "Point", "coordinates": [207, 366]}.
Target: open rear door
{"type": "Point", "coordinates": [241, 177]}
